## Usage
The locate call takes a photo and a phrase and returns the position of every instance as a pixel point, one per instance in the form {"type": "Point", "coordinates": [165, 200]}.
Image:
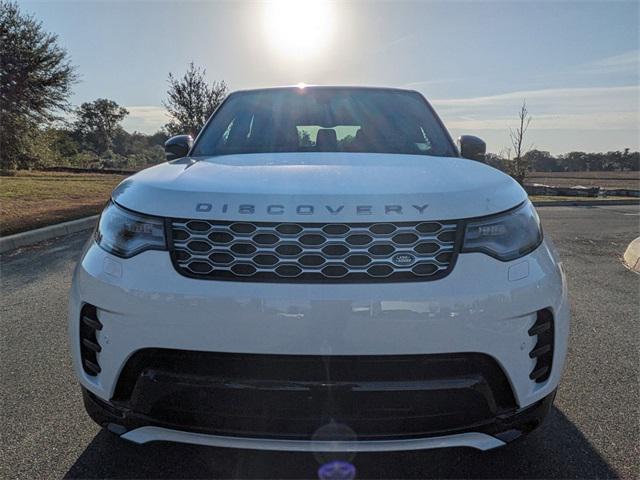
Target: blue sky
{"type": "Point", "coordinates": [576, 63]}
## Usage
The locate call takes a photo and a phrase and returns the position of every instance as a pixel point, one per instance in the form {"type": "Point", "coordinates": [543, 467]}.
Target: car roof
{"type": "Point", "coordinates": [325, 87]}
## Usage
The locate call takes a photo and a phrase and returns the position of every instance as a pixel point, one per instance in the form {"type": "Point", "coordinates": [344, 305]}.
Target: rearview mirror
{"type": "Point", "coordinates": [472, 147]}
{"type": "Point", "coordinates": [178, 146]}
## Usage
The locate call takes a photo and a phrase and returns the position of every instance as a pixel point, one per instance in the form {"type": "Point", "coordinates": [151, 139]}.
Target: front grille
{"type": "Point", "coordinates": [314, 252]}
{"type": "Point", "coordinates": [292, 396]}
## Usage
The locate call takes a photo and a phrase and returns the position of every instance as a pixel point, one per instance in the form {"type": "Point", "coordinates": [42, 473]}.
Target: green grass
{"type": "Point", "coordinates": [53, 186]}
{"type": "Point", "coordinates": [34, 199]}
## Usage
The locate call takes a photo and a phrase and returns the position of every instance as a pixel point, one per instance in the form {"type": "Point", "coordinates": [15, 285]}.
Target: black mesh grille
{"type": "Point", "coordinates": [314, 252]}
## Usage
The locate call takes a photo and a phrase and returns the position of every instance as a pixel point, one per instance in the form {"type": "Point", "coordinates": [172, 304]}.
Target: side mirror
{"type": "Point", "coordinates": [472, 148]}
{"type": "Point", "coordinates": [178, 146]}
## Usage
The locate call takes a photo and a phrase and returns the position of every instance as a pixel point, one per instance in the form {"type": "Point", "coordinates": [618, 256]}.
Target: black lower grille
{"type": "Point", "coordinates": [292, 396]}
{"type": "Point", "coordinates": [89, 346]}
{"type": "Point", "coordinates": [543, 349]}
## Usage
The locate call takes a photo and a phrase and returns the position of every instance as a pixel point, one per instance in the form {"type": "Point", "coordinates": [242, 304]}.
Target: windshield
{"type": "Point", "coordinates": [324, 120]}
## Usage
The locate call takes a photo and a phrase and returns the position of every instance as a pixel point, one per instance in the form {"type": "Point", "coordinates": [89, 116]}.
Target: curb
{"type": "Point", "coordinates": [632, 255]}
{"type": "Point", "coordinates": [585, 203]}
{"type": "Point", "coordinates": [25, 239]}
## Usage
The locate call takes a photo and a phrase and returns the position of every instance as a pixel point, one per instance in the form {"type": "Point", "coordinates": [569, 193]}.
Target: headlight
{"type": "Point", "coordinates": [126, 233]}
{"type": "Point", "coordinates": [506, 236]}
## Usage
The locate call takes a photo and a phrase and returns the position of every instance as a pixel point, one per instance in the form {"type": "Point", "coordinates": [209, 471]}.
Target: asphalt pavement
{"type": "Point", "coordinates": [592, 432]}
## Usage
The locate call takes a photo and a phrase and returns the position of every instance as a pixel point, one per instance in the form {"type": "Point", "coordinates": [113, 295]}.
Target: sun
{"type": "Point", "coordinates": [298, 29]}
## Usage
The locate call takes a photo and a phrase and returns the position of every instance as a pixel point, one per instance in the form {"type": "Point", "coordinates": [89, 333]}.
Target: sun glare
{"type": "Point", "coordinates": [298, 29]}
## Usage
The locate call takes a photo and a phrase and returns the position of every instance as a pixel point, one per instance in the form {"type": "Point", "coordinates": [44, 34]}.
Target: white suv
{"type": "Point", "coordinates": [320, 270]}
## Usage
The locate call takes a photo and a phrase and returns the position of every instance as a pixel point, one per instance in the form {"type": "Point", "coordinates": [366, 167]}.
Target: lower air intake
{"type": "Point", "coordinates": [292, 396]}
{"type": "Point", "coordinates": [543, 349]}
{"type": "Point", "coordinates": [89, 346]}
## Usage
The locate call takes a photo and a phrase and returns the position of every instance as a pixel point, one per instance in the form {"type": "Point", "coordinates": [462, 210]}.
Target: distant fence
{"type": "Point", "coordinates": [537, 189]}
{"type": "Point", "coordinates": [561, 175]}
{"type": "Point", "coordinates": [115, 171]}
{"type": "Point", "coordinates": [619, 192]}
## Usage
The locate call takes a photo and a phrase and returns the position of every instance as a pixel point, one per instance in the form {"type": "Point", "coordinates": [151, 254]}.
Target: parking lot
{"type": "Point", "coordinates": [592, 432]}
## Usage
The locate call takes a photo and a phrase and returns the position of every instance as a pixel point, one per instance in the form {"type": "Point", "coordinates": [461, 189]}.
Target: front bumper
{"type": "Point", "coordinates": [482, 307]}
{"type": "Point", "coordinates": [495, 433]}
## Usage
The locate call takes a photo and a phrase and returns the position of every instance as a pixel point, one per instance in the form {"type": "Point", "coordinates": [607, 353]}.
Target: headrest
{"type": "Point", "coordinates": [326, 140]}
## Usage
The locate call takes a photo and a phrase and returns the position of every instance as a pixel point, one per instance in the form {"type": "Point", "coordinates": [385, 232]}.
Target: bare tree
{"type": "Point", "coordinates": [519, 166]}
{"type": "Point", "coordinates": [505, 153]}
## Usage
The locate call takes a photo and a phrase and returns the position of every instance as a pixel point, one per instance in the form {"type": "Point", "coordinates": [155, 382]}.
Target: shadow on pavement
{"type": "Point", "coordinates": [556, 450]}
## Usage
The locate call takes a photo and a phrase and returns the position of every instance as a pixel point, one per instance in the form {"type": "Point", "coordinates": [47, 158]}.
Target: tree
{"type": "Point", "coordinates": [35, 83]}
{"type": "Point", "coordinates": [574, 161]}
{"type": "Point", "coordinates": [304, 139]}
{"type": "Point", "coordinates": [494, 160]}
{"type": "Point", "coordinates": [137, 149]}
{"type": "Point", "coordinates": [630, 160]}
{"type": "Point", "coordinates": [97, 123]}
{"type": "Point", "coordinates": [519, 166]}
{"type": "Point", "coordinates": [191, 101]}
{"type": "Point", "coordinates": [541, 161]}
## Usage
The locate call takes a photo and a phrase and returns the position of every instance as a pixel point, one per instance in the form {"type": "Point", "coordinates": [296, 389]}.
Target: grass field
{"type": "Point", "coordinates": [630, 180]}
{"type": "Point", "coordinates": [35, 199]}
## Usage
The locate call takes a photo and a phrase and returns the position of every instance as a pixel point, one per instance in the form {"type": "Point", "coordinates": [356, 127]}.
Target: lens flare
{"type": "Point", "coordinates": [298, 29]}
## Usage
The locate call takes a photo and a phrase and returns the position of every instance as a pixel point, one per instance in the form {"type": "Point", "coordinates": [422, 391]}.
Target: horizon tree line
{"type": "Point", "coordinates": [41, 128]}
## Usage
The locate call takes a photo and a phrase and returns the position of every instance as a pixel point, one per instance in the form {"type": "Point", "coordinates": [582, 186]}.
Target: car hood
{"type": "Point", "coordinates": [322, 187]}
